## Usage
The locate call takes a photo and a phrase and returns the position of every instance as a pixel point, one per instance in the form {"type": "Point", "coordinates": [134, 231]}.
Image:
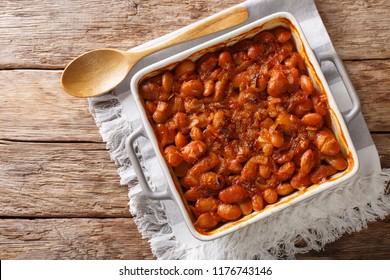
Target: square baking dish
{"type": "Point", "coordinates": [338, 123]}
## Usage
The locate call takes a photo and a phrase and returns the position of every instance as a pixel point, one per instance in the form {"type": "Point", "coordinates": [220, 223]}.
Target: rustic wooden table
{"type": "Point", "coordinates": [60, 196]}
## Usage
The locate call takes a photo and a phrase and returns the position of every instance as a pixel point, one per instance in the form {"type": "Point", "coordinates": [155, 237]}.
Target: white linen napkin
{"type": "Point", "coordinates": [316, 221]}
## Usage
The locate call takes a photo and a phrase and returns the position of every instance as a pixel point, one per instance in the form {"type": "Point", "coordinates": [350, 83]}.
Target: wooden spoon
{"type": "Point", "coordinates": [97, 72]}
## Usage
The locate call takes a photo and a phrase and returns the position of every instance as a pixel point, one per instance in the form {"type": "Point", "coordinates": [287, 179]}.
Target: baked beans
{"type": "Point", "coordinates": [242, 127]}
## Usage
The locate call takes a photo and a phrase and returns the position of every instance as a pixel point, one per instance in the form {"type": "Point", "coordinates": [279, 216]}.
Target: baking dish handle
{"type": "Point", "coordinates": [335, 59]}
{"type": "Point", "coordinates": [158, 195]}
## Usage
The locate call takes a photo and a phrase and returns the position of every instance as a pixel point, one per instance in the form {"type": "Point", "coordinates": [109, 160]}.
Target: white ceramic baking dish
{"type": "Point", "coordinates": [339, 127]}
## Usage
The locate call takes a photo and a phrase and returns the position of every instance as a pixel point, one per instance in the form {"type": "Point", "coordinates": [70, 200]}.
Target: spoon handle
{"type": "Point", "coordinates": [213, 24]}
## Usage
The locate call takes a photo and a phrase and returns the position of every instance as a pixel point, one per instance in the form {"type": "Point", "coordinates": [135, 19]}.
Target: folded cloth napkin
{"type": "Point", "coordinates": [316, 221]}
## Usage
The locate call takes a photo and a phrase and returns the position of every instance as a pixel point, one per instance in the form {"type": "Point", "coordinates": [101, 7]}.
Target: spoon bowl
{"type": "Point", "coordinates": [97, 72]}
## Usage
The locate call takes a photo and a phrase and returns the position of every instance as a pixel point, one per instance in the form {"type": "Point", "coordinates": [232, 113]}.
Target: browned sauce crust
{"type": "Point", "coordinates": [242, 127]}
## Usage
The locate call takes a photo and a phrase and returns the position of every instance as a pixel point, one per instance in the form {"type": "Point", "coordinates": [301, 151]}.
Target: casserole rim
{"type": "Point", "coordinates": [294, 198]}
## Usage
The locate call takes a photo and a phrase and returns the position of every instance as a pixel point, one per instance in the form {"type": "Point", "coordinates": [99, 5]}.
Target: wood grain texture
{"type": "Point", "coordinates": [34, 108]}
{"type": "Point", "coordinates": [72, 239]}
{"type": "Point", "coordinates": [61, 30]}
{"type": "Point", "coordinates": [382, 143]}
{"type": "Point", "coordinates": [358, 29]}
{"type": "Point", "coordinates": [59, 180]}
{"type": "Point", "coordinates": [371, 81]}
{"type": "Point", "coordinates": [50, 34]}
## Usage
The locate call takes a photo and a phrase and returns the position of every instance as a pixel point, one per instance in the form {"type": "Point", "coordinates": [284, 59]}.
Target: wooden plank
{"type": "Point", "coordinates": [72, 239]}
{"type": "Point", "coordinates": [382, 143]}
{"type": "Point", "coordinates": [371, 81]}
{"type": "Point", "coordinates": [34, 108]}
{"type": "Point", "coordinates": [359, 29]}
{"type": "Point", "coordinates": [119, 239]}
{"type": "Point", "coordinates": [87, 25]}
{"type": "Point", "coordinates": [59, 180]}
{"type": "Point", "coordinates": [73, 180]}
